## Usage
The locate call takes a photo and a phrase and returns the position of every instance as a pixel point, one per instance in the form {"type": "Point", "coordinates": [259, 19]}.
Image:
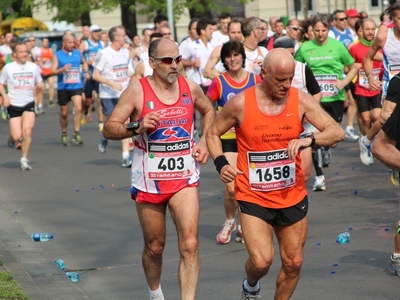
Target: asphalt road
{"type": "Point", "coordinates": [82, 197]}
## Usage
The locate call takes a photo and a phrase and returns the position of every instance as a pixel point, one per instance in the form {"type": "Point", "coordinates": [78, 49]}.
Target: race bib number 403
{"type": "Point", "coordinates": [170, 160]}
{"type": "Point", "coordinates": [272, 170]}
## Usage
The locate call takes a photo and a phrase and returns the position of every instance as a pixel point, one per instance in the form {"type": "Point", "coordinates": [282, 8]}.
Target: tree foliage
{"type": "Point", "coordinates": [71, 11]}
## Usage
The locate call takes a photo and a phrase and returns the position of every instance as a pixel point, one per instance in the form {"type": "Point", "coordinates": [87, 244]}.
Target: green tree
{"type": "Point", "coordinates": [72, 11]}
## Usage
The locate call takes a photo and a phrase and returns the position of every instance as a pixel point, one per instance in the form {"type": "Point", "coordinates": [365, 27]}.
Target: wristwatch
{"type": "Point", "coordinates": [310, 135]}
{"type": "Point", "coordinates": [132, 126]}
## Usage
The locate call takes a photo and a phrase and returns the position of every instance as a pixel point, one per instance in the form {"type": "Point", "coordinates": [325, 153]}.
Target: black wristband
{"type": "Point", "coordinates": [220, 162]}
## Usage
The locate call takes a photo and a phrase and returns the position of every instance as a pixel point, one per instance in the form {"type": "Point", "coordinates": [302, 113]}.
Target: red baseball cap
{"type": "Point", "coordinates": [352, 13]}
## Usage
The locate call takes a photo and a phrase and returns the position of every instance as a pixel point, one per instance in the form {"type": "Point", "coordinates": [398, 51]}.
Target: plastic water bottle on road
{"type": "Point", "coordinates": [41, 237]}
{"type": "Point", "coordinates": [60, 263]}
{"type": "Point", "coordinates": [74, 276]}
{"type": "Point", "coordinates": [343, 238]}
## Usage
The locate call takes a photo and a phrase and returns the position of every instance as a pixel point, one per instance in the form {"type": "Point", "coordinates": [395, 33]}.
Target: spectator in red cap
{"type": "Point", "coordinates": [352, 17]}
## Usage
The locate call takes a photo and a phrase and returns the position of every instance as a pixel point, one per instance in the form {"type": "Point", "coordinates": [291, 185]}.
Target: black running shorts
{"type": "Point", "coordinates": [276, 217]}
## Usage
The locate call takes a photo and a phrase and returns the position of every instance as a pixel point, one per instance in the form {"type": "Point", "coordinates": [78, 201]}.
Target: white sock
{"type": "Point", "coordinates": [396, 255]}
{"type": "Point", "coordinates": [366, 140]}
{"type": "Point", "coordinates": [23, 159]}
{"type": "Point", "coordinates": [40, 105]}
{"type": "Point", "coordinates": [156, 294]}
{"type": "Point", "coordinates": [251, 289]}
{"type": "Point", "coordinates": [231, 221]}
{"type": "Point", "coordinates": [125, 154]}
{"type": "Point", "coordinates": [349, 127]}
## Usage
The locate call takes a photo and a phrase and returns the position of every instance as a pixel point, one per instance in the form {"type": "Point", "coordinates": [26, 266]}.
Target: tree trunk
{"type": "Point", "coordinates": [204, 14]}
{"type": "Point", "coordinates": [17, 7]}
{"type": "Point", "coordinates": [85, 19]}
{"type": "Point", "coordinates": [305, 9]}
{"type": "Point", "coordinates": [128, 18]}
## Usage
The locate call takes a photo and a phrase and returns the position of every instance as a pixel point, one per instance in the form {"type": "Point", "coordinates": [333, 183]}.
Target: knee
{"type": "Point", "coordinates": [293, 264]}
{"type": "Point", "coordinates": [26, 133]}
{"type": "Point", "coordinates": [155, 248]}
{"type": "Point", "coordinates": [230, 191]}
{"type": "Point", "coordinates": [261, 264]}
{"type": "Point", "coordinates": [189, 246]}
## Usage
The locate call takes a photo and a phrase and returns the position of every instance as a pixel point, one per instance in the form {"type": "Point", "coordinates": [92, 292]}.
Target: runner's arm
{"type": "Point", "coordinates": [209, 70]}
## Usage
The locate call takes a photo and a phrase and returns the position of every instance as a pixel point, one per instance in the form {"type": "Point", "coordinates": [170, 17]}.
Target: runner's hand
{"type": "Point", "coordinates": [229, 173]}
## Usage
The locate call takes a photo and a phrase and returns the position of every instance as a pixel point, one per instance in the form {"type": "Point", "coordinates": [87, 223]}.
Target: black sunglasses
{"type": "Point", "coordinates": [294, 28]}
{"type": "Point", "coordinates": [342, 19]}
{"type": "Point", "coordinates": [169, 60]}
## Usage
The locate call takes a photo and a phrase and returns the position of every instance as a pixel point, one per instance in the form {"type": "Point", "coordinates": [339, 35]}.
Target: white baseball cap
{"type": "Point", "coordinates": [94, 28]}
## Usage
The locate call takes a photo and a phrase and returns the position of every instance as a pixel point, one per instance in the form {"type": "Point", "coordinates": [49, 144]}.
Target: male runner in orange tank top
{"type": "Point", "coordinates": [269, 184]}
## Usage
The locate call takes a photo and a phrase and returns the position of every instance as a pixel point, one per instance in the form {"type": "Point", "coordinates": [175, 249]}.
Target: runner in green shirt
{"type": "Point", "coordinates": [327, 58]}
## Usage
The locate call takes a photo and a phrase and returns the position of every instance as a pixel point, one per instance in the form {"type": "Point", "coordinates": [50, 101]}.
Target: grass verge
{"type": "Point", "coordinates": [9, 289]}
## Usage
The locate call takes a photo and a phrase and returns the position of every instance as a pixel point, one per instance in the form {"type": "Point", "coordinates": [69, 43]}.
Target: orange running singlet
{"type": "Point", "coordinates": [270, 178]}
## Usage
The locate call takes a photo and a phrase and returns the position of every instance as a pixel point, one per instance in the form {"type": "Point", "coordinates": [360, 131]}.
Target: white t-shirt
{"type": "Point", "coordinates": [21, 81]}
{"type": "Point", "coordinates": [252, 57]}
{"type": "Point", "coordinates": [218, 38]}
{"type": "Point", "coordinates": [36, 52]}
{"type": "Point", "coordinates": [196, 50]}
{"type": "Point", "coordinates": [113, 65]}
{"type": "Point", "coordinates": [4, 50]}
{"type": "Point", "coordinates": [182, 46]}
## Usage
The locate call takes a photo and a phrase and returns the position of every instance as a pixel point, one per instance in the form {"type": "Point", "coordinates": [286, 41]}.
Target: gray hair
{"type": "Point", "coordinates": [249, 24]}
{"type": "Point", "coordinates": [325, 19]}
{"type": "Point", "coordinates": [113, 32]}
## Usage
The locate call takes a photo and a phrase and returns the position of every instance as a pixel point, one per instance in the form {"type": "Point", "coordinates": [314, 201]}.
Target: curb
{"type": "Point", "coordinates": [37, 276]}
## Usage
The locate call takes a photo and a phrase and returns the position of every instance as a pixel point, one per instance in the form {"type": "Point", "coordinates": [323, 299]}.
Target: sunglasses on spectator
{"type": "Point", "coordinates": [294, 28]}
{"type": "Point", "coordinates": [168, 60]}
{"type": "Point", "coordinates": [168, 33]}
{"type": "Point", "coordinates": [342, 19]}
{"type": "Point", "coordinates": [96, 30]}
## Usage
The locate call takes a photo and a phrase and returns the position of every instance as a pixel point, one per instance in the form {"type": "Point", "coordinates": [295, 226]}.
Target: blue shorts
{"type": "Point", "coordinates": [108, 105]}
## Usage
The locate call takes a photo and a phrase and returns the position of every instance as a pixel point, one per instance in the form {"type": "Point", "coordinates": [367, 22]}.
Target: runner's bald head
{"type": "Point", "coordinates": [278, 59]}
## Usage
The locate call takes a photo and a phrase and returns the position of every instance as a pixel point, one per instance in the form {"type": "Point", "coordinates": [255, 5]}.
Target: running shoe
{"type": "Point", "coordinates": [319, 184]}
{"type": "Point", "coordinates": [77, 139]}
{"type": "Point", "coordinates": [100, 126]}
{"type": "Point", "coordinates": [18, 146]}
{"type": "Point", "coordinates": [239, 235]}
{"type": "Point", "coordinates": [89, 118]}
{"type": "Point", "coordinates": [395, 178]}
{"type": "Point", "coordinates": [350, 134]}
{"type": "Point", "coordinates": [246, 295]}
{"type": "Point", "coordinates": [64, 139]}
{"type": "Point", "coordinates": [365, 152]}
{"type": "Point", "coordinates": [51, 104]}
{"type": "Point", "coordinates": [127, 162]}
{"type": "Point", "coordinates": [10, 142]}
{"type": "Point", "coordinates": [326, 156]}
{"type": "Point", "coordinates": [39, 110]}
{"type": "Point", "coordinates": [394, 266]}
{"type": "Point", "coordinates": [224, 236]}
{"type": "Point", "coordinates": [83, 120]}
{"type": "Point", "coordinates": [25, 164]}
{"type": "Point", "coordinates": [157, 298]}
{"type": "Point", "coordinates": [103, 145]}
